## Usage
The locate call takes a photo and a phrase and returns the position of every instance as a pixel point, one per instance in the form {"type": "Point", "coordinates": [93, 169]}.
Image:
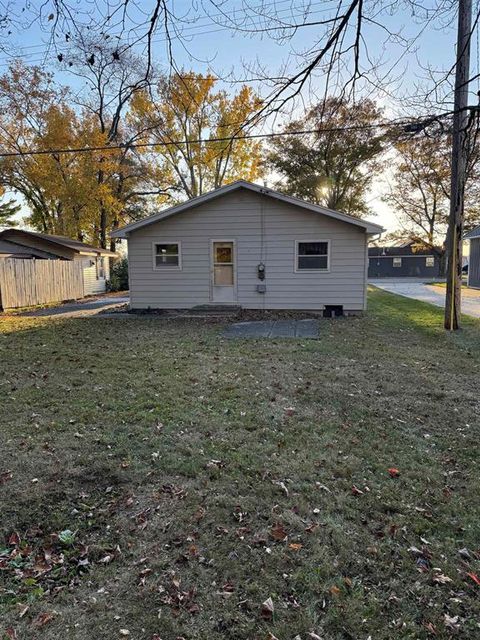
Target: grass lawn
{"type": "Point", "coordinates": [156, 479]}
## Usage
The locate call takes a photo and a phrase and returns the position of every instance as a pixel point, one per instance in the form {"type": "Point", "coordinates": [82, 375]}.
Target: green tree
{"type": "Point", "coordinates": [420, 190]}
{"type": "Point", "coordinates": [8, 209]}
{"type": "Point", "coordinates": [335, 165]}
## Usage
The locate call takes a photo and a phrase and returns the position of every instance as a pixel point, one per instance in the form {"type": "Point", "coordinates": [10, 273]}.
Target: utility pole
{"type": "Point", "coordinates": [459, 166]}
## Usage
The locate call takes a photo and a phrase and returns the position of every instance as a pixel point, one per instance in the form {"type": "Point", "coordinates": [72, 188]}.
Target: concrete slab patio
{"type": "Point", "coordinates": [420, 290]}
{"type": "Point", "coordinates": [79, 309]}
{"type": "Point", "coordinates": [307, 328]}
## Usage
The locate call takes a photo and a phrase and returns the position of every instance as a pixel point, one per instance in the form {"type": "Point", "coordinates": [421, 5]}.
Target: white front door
{"type": "Point", "coordinates": [223, 272]}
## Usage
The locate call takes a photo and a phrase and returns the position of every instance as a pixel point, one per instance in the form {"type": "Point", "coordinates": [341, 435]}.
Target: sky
{"type": "Point", "coordinates": [207, 45]}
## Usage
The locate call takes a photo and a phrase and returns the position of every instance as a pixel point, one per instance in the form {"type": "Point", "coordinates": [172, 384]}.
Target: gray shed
{"type": "Point", "coordinates": [249, 246]}
{"type": "Point", "coordinates": [474, 260]}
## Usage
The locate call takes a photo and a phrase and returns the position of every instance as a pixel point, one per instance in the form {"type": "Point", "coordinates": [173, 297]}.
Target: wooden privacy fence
{"type": "Point", "coordinates": [25, 283]}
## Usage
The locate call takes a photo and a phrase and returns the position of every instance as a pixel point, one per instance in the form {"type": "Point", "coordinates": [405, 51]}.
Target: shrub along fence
{"type": "Point", "coordinates": [26, 283]}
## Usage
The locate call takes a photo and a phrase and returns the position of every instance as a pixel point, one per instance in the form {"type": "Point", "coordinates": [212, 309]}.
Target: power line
{"type": "Point", "coordinates": [253, 136]}
{"type": "Point", "coordinates": [187, 33]}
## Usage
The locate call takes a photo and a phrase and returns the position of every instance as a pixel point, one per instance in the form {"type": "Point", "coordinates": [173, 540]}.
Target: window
{"type": "Point", "coordinates": [99, 268]}
{"type": "Point", "coordinates": [166, 256]}
{"type": "Point", "coordinates": [312, 256]}
{"type": "Point", "coordinates": [429, 261]}
{"type": "Point", "coordinates": [223, 263]}
{"type": "Point", "coordinates": [397, 262]}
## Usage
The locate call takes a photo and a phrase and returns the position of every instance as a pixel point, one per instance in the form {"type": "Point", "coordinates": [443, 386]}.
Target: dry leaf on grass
{"type": "Point", "coordinates": [474, 577]}
{"type": "Point", "coordinates": [356, 491]}
{"type": "Point", "coordinates": [5, 475]}
{"type": "Point", "coordinates": [44, 618]}
{"type": "Point", "coordinates": [277, 532]}
{"type": "Point", "coordinates": [451, 622]}
{"type": "Point", "coordinates": [267, 609]}
{"type": "Point", "coordinates": [441, 578]}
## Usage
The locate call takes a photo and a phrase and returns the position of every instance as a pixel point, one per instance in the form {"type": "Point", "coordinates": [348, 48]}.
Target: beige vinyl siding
{"type": "Point", "coordinates": [91, 284]}
{"type": "Point", "coordinates": [240, 216]}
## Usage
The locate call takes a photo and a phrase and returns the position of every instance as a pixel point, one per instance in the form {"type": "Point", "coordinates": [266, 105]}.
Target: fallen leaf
{"type": "Point", "coordinates": [124, 632]}
{"type": "Point", "coordinates": [106, 559]}
{"type": "Point", "coordinates": [277, 532]}
{"type": "Point", "coordinates": [44, 618]}
{"type": "Point", "coordinates": [441, 578]}
{"type": "Point", "coordinates": [474, 577]}
{"type": "Point", "coordinates": [356, 491]}
{"type": "Point", "coordinates": [451, 622]}
{"type": "Point", "coordinates": [282, 487]}
{"type": "Point", "coordinates": [11, 633]}
{"type": "Point", "coordinates": [22, 609]}
{"type": "Point", "coordinates": [394, 473]}
{"type": "Point", "coordinates": [335, 591]}
{"type": "Point", "coordinates": [314, 636]}
{"type": "Point", "coordinates": [289, 411]}
{"type": "Point", "coordinates": [295, 546]}
{"type": "Point", "coordinates": [430, 627]}
{"type": "Point", "coordinates": [14, 539]}
{"type": "Point", "coordinates": [5, 475]}
{"type": "Point", "coordinates": [267, 609]}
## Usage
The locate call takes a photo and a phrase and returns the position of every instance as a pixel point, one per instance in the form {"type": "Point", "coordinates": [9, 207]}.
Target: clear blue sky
{"type": "Point", "coordinates": [211, 46]}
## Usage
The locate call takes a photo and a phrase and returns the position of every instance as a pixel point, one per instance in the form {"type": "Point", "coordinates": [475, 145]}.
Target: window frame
{"type": "Point", "coordinates": [397, 266]}
{"type": "Point", "coordinates": [177, 267]}
{"type": "Point", "coordinates": [296, 256]}
{"type": "Point", "coordinates": [427, 259]}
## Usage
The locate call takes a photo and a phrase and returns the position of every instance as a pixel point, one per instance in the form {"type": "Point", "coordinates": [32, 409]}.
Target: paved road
{"type": "Point", "coordinates": [80, 309]}
{"type": "Point", "coordinates": [417, 289]}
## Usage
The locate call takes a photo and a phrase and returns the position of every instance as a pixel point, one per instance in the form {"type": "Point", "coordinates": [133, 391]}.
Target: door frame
{"type": "Point", "coordinates": [212, 267]}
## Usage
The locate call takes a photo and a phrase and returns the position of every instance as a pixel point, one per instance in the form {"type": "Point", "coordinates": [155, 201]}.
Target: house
{"type": "Point", "coordinates": [21, 244]}
{"type": "Point", "coordinates": [249, 246]}
{"type": "Point", "coordinates": [12, 250]}
{"type": "Point", "coordinates": [474, 260]}
{"type": "Point", "coordinates": [405, 260]}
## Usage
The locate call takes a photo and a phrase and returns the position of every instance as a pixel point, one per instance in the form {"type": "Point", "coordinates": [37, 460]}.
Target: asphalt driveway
{"type": "Point", "coordinates": [419, 290]}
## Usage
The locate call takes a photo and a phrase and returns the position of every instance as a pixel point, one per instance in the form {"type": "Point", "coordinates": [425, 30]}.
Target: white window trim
{"type": "Point", "coordinates": [177, 267]}
{"type": "Point", "coordinates": [397, 266]}
{"type": "Point", "coordinates": [431, 259]}
{"type": "Point", "coordinates": [295, 263]}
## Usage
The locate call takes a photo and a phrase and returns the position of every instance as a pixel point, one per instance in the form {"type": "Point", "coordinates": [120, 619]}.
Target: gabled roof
{"type": "Point", "coordinates": [52, 240]}
{"type": "Point", "coordinates": [12, 249]}
{"type": "Point", "coordinates": [369, 227]}
{"type": "Point", "coordinates": [474, 233]}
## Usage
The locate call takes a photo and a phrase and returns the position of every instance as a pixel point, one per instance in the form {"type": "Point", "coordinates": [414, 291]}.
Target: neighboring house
{"type": "Point", "coordinates": [17, 243]}
{"type": "Point", "coordinates": [12, 250]}
{"type": "Point", "coordinates": [474, 260]}
{"type": "Point", "coordinates": [403, 261]}
{"type": "Point", "coordinates": [250, 246]}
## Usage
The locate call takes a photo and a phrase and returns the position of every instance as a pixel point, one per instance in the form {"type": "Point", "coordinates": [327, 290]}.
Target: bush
{"type": "Point", "coordinates": [119, 276]}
